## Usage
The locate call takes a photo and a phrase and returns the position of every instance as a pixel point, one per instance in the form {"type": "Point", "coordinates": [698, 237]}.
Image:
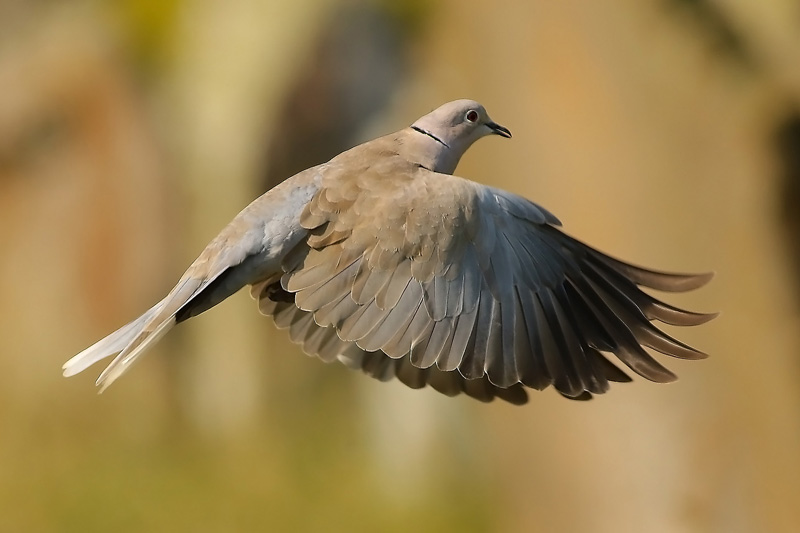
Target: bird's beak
{"type": "Point", "coordinates": [499, 130]}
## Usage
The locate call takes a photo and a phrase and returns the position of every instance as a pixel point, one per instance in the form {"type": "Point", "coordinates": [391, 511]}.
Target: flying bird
{"type": "Point", "coordinates": [385, 261]}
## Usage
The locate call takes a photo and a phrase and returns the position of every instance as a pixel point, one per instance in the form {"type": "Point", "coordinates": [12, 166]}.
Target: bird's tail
{"type": "Point", "coordinates": [132, 340]}
{"type": "Point", "coordinates": [109, 345]}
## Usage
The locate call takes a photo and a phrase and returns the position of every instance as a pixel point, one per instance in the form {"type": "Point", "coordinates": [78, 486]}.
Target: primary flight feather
{"type": "Point", "coordinates": [383, 260]}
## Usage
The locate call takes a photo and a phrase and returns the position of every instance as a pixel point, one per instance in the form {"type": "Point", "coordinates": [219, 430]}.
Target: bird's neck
{"type": "Point", "coordinates": [429, 151]}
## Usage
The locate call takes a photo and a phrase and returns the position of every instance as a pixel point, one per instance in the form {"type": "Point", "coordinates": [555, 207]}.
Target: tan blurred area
{"type": "Point", "coordinates": [131, 132]}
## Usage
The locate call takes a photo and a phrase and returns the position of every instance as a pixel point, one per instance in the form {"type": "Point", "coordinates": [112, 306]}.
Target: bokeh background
{"type": "Point", "coordinates": [666, 132]}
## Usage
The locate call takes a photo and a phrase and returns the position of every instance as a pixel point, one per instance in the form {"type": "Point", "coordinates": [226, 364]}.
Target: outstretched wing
{"type": "Point", "coordinates": [436, 272]}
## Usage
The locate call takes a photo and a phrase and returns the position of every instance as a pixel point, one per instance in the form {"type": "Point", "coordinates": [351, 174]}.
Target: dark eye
{"type": "Point", "coordinates": [471, 116]}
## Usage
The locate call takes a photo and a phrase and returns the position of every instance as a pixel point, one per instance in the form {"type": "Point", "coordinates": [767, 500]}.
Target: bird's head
{"type": "Point", "coordinates": [452, 128]}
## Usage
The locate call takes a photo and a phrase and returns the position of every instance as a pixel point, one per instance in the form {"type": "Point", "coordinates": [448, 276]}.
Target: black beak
{"type": "Point", "coordinates": [499, 130]}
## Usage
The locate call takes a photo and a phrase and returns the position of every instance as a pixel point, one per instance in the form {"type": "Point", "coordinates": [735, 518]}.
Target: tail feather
{"type": "Point", "coordinates": [109, 345]}
{"type": "Point", "coordinates": [235, 258]}
{"type": "Point", "coordinates": [131, 341]}
{"type": "Point", "coordinates": [133, 351]}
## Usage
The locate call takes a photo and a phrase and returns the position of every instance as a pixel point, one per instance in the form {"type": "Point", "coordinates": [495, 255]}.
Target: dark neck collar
{"type": "Point", "coordinates": [431, 135]}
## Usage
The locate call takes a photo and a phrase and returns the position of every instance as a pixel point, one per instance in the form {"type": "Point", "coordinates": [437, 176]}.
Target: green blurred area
{"type": "Point", "coordinates": [303, 477]}
{"type": "Point", "coordinates": [132, 131]}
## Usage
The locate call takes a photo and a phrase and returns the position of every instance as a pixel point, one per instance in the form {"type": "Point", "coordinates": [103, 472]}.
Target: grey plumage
{"type": "Point", "coordinates": [384, 261]}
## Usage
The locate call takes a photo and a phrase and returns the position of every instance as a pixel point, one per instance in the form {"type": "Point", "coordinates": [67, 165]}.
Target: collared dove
{"type": "Point", "coordinates": [383, 260]}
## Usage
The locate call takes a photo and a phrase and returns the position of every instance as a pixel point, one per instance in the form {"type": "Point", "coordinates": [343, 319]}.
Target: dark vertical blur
{"type": "Point", "coordinates": [353, 71]}
{"type": "Point", "coordinates": [787, 147]}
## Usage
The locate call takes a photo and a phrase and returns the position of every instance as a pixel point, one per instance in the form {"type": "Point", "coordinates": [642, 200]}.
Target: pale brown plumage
{"type": "Point", "coordinates": [386, 262]}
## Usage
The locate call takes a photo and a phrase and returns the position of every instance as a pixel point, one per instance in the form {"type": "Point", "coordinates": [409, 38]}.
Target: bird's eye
{"type": "Point", "coordinates": [471, 116]}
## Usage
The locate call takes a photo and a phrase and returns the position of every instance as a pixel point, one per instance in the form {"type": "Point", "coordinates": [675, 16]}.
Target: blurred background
{"type": "Point", "coordinates": [666, 132]}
